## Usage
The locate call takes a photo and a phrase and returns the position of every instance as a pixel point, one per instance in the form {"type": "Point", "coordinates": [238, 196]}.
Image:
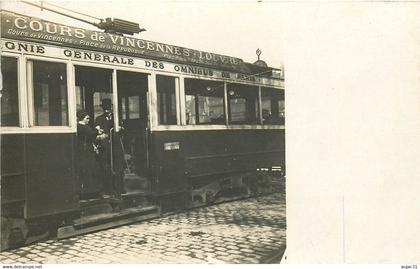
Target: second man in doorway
{"type": "Point", "coordinates": [109, 158]}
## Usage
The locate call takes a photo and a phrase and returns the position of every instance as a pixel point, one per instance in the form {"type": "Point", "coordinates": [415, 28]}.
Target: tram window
{"type": "Point", "coordinates": [50, 94]}
{"type": "Point", "coordinates": [80, 100]}
{"type": "Point", "coordinates": [9, 92]}
{"type": "Point", "coordinates": [272, 104]}
{"type": "Point", "coordinates": [130, 108]}
{"type": "Point", "coordinates": [190, 109]}
{"type": "Point", "coordinates": [166, 100]}
{"type": "Point", "coordinates": [204, 102]}
{"type": "Point", "coordinates": [243, 104]}
{"type": "Point", "coordinates": [92, 86]}
{"type": "Point", "coordinates": [97, 101]}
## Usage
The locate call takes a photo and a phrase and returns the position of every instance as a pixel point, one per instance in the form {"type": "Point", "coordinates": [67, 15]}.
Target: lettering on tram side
{"type": "Point", "coordinates": [112, 59]}
{"type": "Point", "coordinates": [209, 72]}
{"type": "Point", "coordinates": [156, 65]}
{"type": "Point", "coordinates": [225, 74]}
{"type": "Point", "coordinates": [193, 70]}
{"type": "Point", "coordinates": [21, 27]}
{"type": "Point", "coordinates": [22, 47]}
{"type": "Point", "coordinates": [93, 56]}
{"type": "Point", "coordinates": [245, 77]}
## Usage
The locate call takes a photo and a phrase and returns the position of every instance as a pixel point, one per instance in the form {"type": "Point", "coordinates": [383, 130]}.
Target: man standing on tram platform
{"type": "Point", "coordinates": [111, 177]}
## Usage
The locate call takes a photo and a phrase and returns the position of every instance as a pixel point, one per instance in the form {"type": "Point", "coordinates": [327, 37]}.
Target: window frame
{"type": "Point", "coordinates": [177, 98]}
{"type": "Point", "coordinates": [113, 85]}
{"type": "Point", "coordinates": [272, 90]}
{"type": "Point", "coordinates": [152, 100]}
{"type": "Point", "coordinates": [225, 123]}
{"type": "Point", "coordinates": [21, 103]}
{"type": "Point", "coordinates": [71, 95]}
{"type": "Point", "coordinates": [257, 92]}
{"type": "Point", "coordinates": [183, 126]}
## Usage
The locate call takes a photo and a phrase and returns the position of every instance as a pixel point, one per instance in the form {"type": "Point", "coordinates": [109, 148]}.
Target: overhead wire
{"type": "Point", "coordinates": [67, 9]}
{"type": "Point", "coordinates": [59, 12]}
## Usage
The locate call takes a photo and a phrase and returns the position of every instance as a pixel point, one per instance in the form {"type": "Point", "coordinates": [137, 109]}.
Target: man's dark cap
{"type": "Point", "coordinates": [106, 103]}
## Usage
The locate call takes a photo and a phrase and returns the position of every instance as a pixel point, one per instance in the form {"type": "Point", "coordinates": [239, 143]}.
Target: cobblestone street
{"type": "Point", "coordinates": [247, 231]}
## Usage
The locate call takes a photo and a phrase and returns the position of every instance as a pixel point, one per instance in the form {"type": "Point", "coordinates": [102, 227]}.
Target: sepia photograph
{"type": "Point", "coordinates": [140, 132]}
{"type": "Point", "coordinates": [176, 133]}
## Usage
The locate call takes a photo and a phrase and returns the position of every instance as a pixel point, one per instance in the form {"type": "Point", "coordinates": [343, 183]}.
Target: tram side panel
{"type": "Point", "coordinates": [166, 165]}
{"type": "Point", "coordinates": [230, 151]}
{"type": "Point", "coordinates": [51, 174]}
{"type": "Point", "coordinates": [13, 174]}
{"type": "Point", "coordinates": [185, 159]}
{"type": "Point", "coordinates": [38, 170]}
{"type": "Point", "coordinates": [37, 185]}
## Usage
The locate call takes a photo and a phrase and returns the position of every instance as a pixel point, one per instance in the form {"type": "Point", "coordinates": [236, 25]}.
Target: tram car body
{"type": "Point", "coordinates": [191, 128]}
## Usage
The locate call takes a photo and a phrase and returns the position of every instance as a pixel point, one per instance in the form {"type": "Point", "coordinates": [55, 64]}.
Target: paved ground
{"type": "Point", "coordinates": [246, 231]}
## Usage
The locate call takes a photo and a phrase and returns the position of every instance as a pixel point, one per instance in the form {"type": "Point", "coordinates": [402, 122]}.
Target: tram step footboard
{"type": "Point", "coordinates": [107, 220]}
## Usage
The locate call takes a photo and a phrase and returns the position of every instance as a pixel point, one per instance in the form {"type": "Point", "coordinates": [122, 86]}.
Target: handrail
{"type": "Point", "coordinates": [111, 140]}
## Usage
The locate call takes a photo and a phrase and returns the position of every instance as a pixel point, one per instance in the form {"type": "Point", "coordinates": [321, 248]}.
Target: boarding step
{"type": "Point", "coordinates": [137, 198]}
{"type": "Point", "coordinates": [97, 206]}
{"type": "Point", "coordinates": [97, 222]}
{"type": "Point", "coordinates": [137, 193]}
{"type": "Point", "coordinates": [105, 217]}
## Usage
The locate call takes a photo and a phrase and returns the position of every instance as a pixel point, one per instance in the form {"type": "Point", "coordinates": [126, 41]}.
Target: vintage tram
{"type": "Point", "coordinates": [190, 128]}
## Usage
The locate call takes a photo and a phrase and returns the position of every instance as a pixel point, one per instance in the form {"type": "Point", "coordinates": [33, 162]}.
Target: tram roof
{"type": "Point", "coordinates": [21, 27]}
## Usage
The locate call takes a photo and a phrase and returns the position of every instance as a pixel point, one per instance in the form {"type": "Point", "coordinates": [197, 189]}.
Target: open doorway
{"type": "Point", "coordinates": [96, 174]}
{"type": "Point", "coordinates": [92, 86]}
{"type": "Point", "coordinates": [122, 159]}
{"type": "Point", "coordinates": [132, 106]}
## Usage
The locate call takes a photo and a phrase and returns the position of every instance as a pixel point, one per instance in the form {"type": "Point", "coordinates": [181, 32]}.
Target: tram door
{"type": "Point", "coordinates": [133, 114]}
{"type": "Point", "coordinates": [96, 175]}
{"type": "Point", "coordinates": [123, 166]}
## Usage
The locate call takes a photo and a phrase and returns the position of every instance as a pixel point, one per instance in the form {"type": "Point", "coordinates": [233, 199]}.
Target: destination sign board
{"type": "Point", "coordinates": [21, 27]}
{"type": "Point", "coordinates": [79, 55]}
